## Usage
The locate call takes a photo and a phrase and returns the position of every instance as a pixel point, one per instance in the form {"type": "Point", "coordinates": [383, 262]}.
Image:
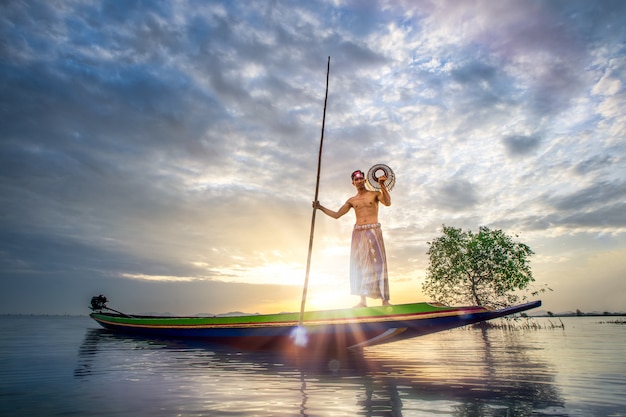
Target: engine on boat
{"type": "Point", "coordinates": [98, 302]}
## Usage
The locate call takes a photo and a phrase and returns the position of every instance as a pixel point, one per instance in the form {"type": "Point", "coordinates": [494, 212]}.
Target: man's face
{"type": "Point", "coordinates": [359, 182]}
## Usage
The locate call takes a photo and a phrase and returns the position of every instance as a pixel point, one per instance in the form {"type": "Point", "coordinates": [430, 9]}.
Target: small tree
{"type": "Point", "coordinates": [485, 269]}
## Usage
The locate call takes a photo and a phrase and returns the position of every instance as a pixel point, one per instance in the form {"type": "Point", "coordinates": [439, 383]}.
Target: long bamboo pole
{"type": "Point", "coordinates": [317, 188]}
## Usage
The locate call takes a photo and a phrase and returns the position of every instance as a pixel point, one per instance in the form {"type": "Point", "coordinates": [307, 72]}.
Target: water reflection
{"type": "Point", "coordinates": [458, 373]}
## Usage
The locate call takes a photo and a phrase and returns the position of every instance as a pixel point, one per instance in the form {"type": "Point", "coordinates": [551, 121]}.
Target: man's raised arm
{"type": "Point", "coordinates": [384, 196]}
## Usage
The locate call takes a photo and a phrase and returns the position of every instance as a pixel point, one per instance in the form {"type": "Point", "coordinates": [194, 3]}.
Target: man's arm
{"type": "Point", "coordinates": [334, 214]}
{"type": "Point", "coordinates": [384, 196]}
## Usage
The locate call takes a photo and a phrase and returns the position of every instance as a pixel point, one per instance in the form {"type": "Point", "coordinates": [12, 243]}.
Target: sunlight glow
{"type": "Point", "coordinates": [279, 273]}
{"type": "Point", "coordinates": [300, 336]}
{"type": "Point", "coordinates": [169, 278]}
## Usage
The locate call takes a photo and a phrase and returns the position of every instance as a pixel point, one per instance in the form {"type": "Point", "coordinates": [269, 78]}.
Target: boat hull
{"type": "Point", "coordinates": [320, 331]}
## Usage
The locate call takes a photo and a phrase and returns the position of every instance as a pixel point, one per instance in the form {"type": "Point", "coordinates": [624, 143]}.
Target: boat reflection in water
{"type": "Point", "coordinates": [462, 373]}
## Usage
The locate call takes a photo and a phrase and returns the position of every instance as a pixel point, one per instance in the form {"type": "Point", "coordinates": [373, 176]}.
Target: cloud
{"type": "Point", "coordinates": [594, 164]}
{"type": "Point", "coordinates": [521, 145]}
{"type": "Point", "coordinates": [167, 141]}
{"type": "Point", "coordinates": [456, 194]}
{"type": "Point", "coordinates": [597, 194]}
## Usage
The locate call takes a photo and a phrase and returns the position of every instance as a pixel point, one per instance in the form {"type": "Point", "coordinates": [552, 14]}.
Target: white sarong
{"type": "Point", "coordinates": [368, 262]}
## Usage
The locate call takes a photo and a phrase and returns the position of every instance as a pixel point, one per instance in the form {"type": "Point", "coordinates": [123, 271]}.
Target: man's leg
{"type": "Point", "coordinates": [363, 302]}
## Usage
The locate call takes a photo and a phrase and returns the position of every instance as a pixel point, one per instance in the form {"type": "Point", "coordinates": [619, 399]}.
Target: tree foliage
{"type": "Point", "coordinates": [487, 269]}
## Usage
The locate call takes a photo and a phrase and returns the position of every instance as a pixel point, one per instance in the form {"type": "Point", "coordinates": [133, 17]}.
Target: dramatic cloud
{"type": "Point", "coordinates": [168, 150]}
{"type": "Point", "coordinates": [521, 145]}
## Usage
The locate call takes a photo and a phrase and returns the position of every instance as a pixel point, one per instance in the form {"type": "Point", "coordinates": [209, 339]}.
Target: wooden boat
{"type": "Point", "coordinates": [328, 330]}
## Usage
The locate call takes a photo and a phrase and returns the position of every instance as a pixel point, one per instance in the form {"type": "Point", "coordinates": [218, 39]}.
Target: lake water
{"type": "Point", "coordinates": [68, 366]}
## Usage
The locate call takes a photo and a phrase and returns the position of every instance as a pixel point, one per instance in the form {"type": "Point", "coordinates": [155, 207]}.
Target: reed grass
{"type": "Point", "coordinates": [519, 323]}
{"type": "Point", "coordinates": [617, 321]}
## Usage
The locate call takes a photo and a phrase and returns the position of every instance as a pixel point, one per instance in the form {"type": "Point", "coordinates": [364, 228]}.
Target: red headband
{"type": "Point", "coordinates": [358, 173]}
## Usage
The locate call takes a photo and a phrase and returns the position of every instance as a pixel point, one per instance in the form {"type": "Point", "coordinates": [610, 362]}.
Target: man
{"type": "Point", "coordinates": [368, 261]}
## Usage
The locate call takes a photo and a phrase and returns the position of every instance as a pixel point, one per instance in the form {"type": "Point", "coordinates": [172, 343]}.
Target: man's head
{"type": "Point", "coordinates": [358, 174]}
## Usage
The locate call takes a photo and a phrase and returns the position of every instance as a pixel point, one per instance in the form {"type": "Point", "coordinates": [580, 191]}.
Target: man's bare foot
{"type": "Point", "coordinates": [386, 303]}
{"type": "Point", "coordinates": [361, 304]}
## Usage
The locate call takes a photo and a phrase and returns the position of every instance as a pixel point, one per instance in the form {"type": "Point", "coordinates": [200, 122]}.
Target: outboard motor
{"type": "Point", "coordinates": [98, 303]}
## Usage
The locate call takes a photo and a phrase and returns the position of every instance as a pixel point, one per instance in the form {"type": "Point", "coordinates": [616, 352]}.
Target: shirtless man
{"type": "Point", "coordinates": [368, 261]}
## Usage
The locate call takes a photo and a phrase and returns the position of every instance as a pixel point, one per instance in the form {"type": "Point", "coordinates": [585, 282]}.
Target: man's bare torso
{"type": "Point", "coordinates": [365, 205]}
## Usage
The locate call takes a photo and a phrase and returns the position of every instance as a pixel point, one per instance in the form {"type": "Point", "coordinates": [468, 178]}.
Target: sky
{"type": "Point", "coordinates": [164, 153]}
